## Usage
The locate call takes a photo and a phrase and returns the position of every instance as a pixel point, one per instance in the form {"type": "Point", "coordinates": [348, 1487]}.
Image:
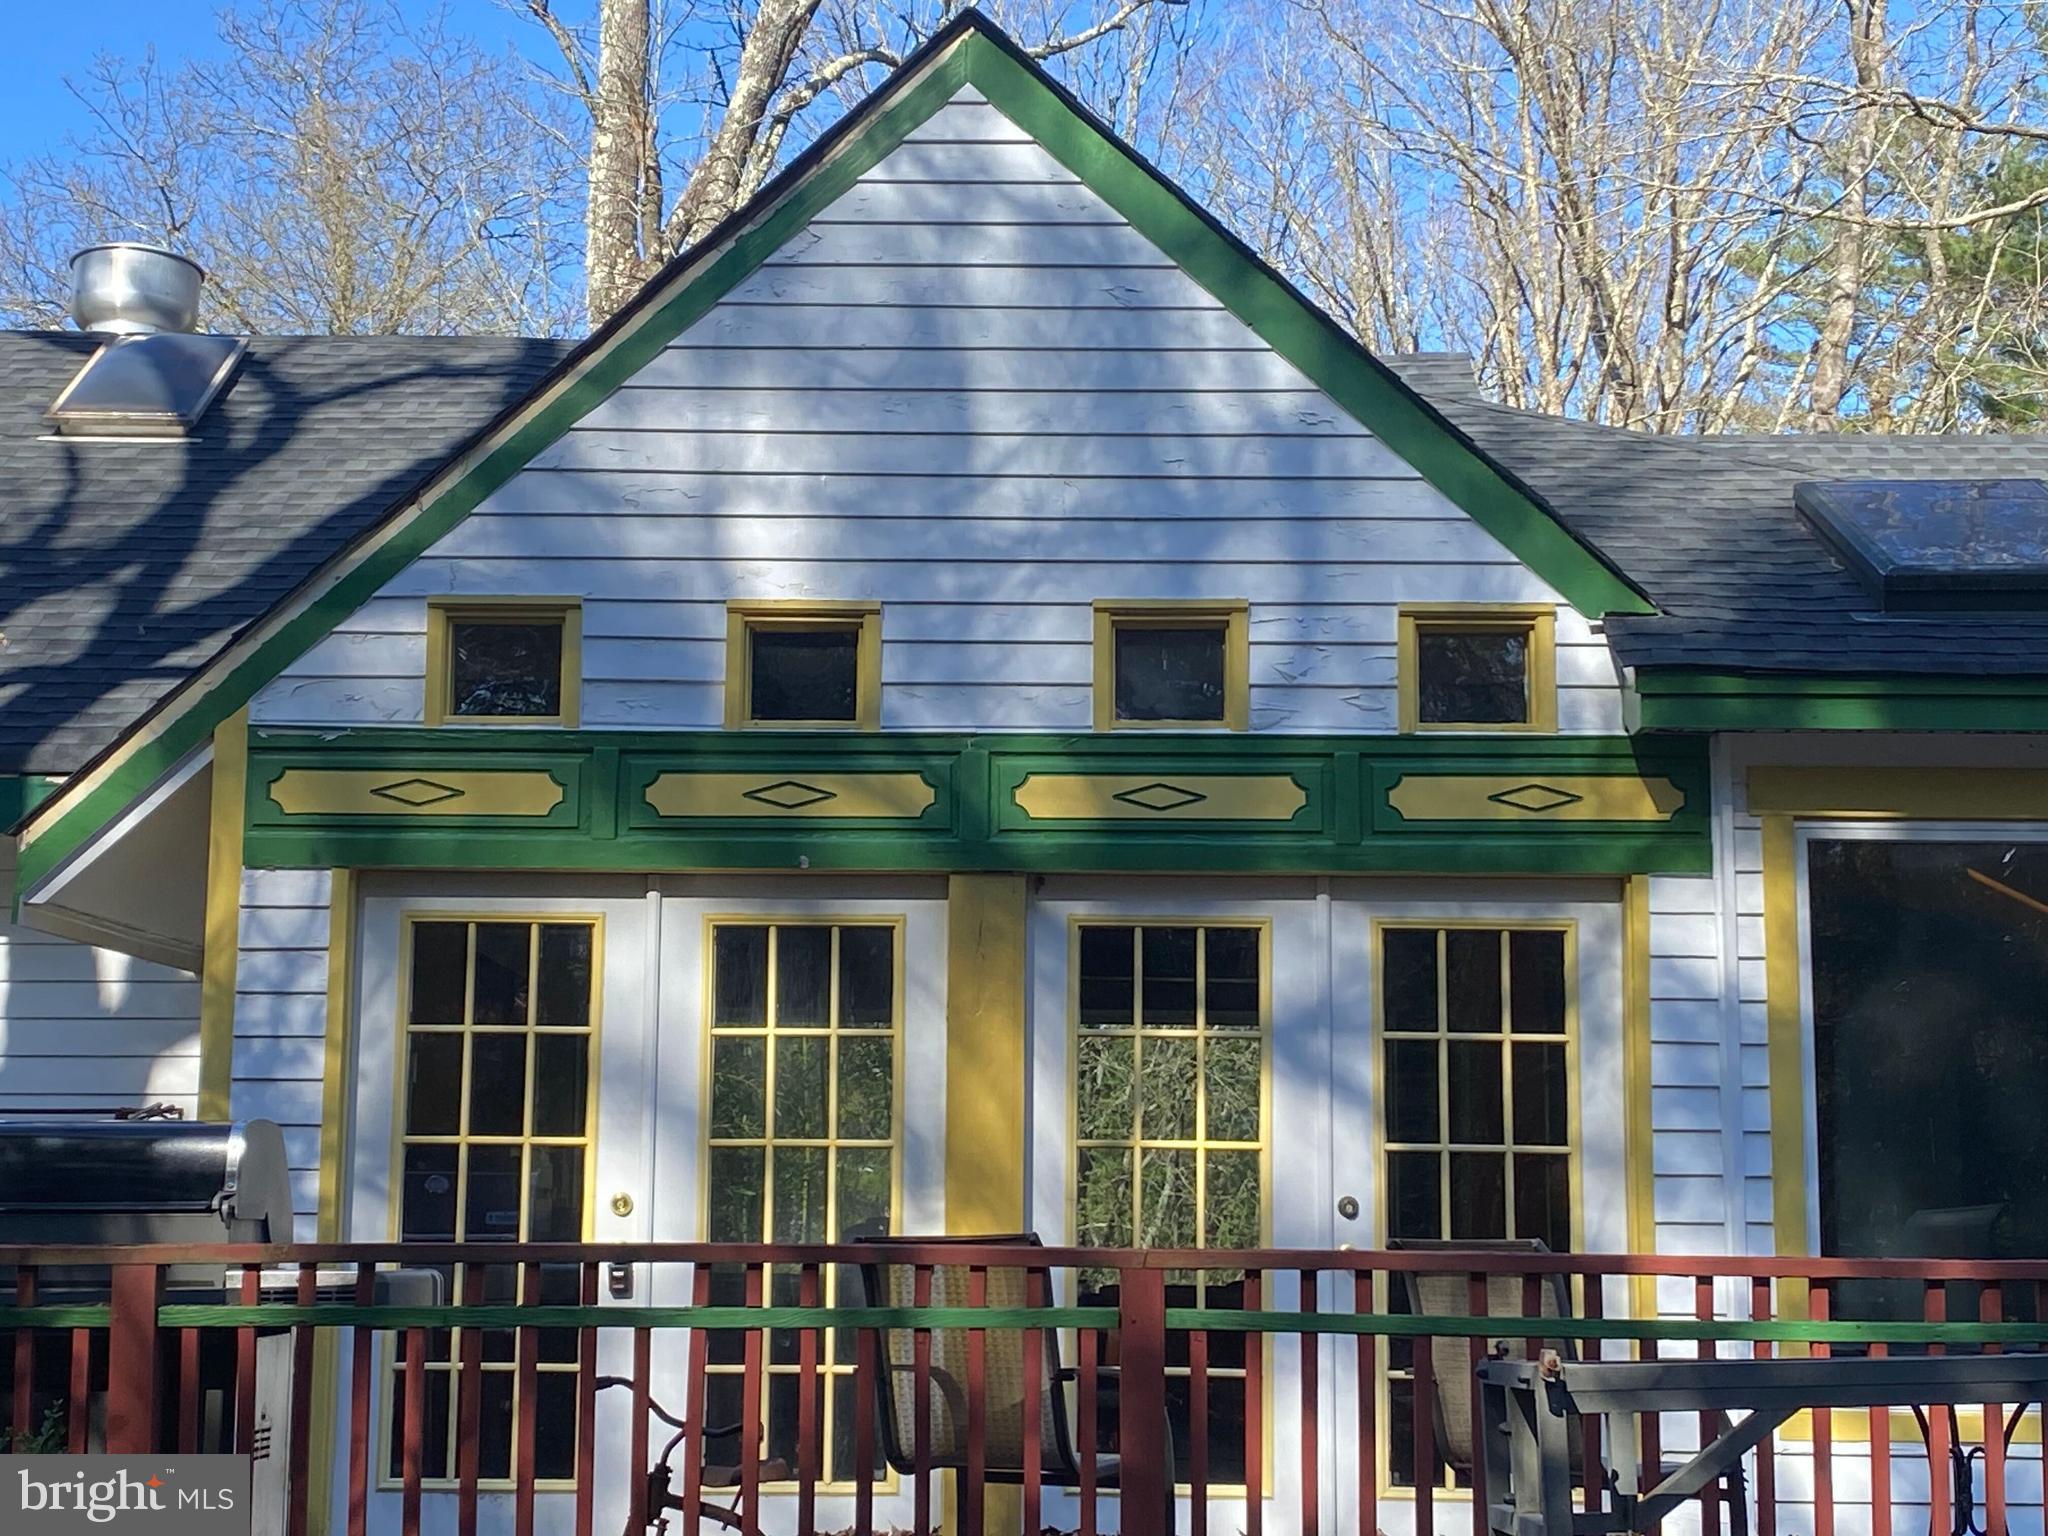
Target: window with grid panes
{"type": "Point", "coordinates": [804, 1128]}
{"type": "Point", "coordinates": [496, 1114]}
{"type": "Point", "coordinates": [1170, 1123]}
{"type": "Point", "coordinates": [1475, 1034]}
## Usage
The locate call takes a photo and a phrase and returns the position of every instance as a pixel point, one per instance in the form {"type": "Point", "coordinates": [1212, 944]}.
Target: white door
{"type": "Point", "coordinates": [1477, 1094]}
{"type": "Point", "coordinates": [798, 1091]}
{"type": "Point", "coordinates": [499, 1098]}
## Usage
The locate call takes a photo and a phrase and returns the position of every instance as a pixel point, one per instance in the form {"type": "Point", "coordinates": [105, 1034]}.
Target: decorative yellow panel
{"type": "Point", "coordinates": [394, 792]}
{"type": "Point", "coordinates": [1160, 797]}
{"type": "Point", "coordinates": [815, 796]}
{"type": "Point", "coordinates": [1558, 797]}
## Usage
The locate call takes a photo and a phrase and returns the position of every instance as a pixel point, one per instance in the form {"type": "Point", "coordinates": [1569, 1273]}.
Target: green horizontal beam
{"type": "Point", "coordinates": [1700, 701]}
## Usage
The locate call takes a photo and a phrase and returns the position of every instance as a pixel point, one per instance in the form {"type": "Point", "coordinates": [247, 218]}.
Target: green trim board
{"type": "Point", "coordinates": [1679, 699]}
{"type": "Point", "coordinates": [1298, 805]}
{"type": "Point", "coordinates": [969, 51]}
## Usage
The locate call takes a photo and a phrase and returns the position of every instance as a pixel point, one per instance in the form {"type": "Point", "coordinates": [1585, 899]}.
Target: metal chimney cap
{"type": "Point", "coordinates": [128, 288]}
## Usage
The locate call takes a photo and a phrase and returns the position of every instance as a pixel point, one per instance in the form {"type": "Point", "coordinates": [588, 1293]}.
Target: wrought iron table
{"type": "Point", "coordinates": [1527, 1407]}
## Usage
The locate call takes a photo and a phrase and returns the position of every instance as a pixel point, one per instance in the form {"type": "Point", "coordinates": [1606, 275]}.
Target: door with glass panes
{"type": "Point", "coordinates": [1477, 1098]}
{"type": "Point", "coordinates": [801, 1100]}
{"type": "Point", "coordinates": [499, 1100]}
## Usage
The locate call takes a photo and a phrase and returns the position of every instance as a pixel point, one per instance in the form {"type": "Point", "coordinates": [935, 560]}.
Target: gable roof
{"type": "Point", "coordinates": [968, 51]}
{"type": "Point", "coordinates": [1707, 526]}
{"type": "Point", "coordinates": [126, 566]}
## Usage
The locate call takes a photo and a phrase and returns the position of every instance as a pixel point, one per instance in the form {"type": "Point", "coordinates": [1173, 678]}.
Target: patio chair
{"type": "Point", "coordinates": [1060, 1459]}
{"type": "Point", "coordinates": [1449, 1360]}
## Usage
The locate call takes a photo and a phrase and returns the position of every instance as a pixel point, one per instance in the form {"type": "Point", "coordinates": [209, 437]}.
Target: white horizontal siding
{"type": "Point", "coordinates": [86, 1028]}
{"type": "Point", "coordinates": [281, 1019]}
{"type": "Point", "coordinates": [971, 391]}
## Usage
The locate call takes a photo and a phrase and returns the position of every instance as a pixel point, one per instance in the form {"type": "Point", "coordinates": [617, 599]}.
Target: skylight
{"type": "Point", "coordinates": [147, 386]}
{"type": "Point", "coordinates": [1922, 545]}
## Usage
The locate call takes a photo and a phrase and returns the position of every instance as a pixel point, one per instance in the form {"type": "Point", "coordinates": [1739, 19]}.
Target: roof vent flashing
{"type": "Point", "coordinates": [1922, 546]}
{"type": "Point", "coordinates": [155, 376]}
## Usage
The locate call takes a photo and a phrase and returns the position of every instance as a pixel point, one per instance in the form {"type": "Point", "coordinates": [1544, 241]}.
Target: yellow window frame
{"type": "Point", "coordinates": [443, 613]}
{"type": "Point", "coordinates": [769, 1030]}
{"type": "Point", "coordinates": [1574, 1132]}
{"type": "Point", "coordinates": [744, 619]}
{"type": "Point", "coordinates": [389, 1371]}
{"type": "Point", "coordinates": [1201, 1143]}
{"type": "Point", "coordinates": [1538, 621]}
{"type": "Point", "coordinates": [1231, 616]}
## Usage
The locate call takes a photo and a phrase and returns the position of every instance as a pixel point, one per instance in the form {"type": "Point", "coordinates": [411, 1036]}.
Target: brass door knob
{"type": "Point", "coordinates": [622, 1204]}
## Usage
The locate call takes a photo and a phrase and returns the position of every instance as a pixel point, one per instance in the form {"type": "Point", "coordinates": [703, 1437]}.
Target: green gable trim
{"type": "Point", "coordinates": [972, 816]}
{"type": "Point", "coordinates": [1683, 700]}
{"type": "Point", "coordinates": [965, 55]}
{"type": "Point", "coordinates": [1302, 334]}
{"type": "Point", "coordinates": [22, 794]}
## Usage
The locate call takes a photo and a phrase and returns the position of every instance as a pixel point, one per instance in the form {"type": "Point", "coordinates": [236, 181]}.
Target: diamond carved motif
{"type": "Point", "coordinates": [1536, 798]}
{"type": "Point", "coordinates": [417, 792]}
{"type": "Point", "coordinates": [788, 794]}
{"type": "Point", "coordinates": [1159, 796]}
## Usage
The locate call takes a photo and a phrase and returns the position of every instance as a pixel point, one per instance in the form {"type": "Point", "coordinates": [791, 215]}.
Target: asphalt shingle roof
{"type": "Point", "coordinates": [1706, 527]}
{"type": "Point", "coordinates": [125, 566]}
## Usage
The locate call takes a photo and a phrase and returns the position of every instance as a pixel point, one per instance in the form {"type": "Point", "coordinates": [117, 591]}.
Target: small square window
{"type": "Point", "coordinates": [502, 663]}
{"type": "Point", "coordinates": [1478, 669]}
{"type": "Point", "coordinates": [804, 674]}
{"type": "Point", "coordinates": [809, 664]}
{"type": "Point", "coordinates": [1169, 674]}
{"type": "Point", "coordinates": [1171, 665]}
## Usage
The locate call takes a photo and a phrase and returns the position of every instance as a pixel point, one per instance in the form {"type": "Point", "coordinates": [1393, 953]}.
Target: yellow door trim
{"type": "Point", "coordinates": [1638, 1137]}
{"type": "Point", "coordinates": [1785, 1036]}
{"type": "Point", "coordinates": [1919, 794]}
{"type": "Point", "coordinates": [329, 1226]}
{"type": "Point", "coordinates": [985, 1030]}
{"type": "Point", "coordinates": [222, 944]}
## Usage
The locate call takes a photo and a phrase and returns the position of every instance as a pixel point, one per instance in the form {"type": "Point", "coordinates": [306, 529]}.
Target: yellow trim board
{"type": "Point", "coordinates": [985, 1065]}
{"type": "Point", "coordinates": [1537, 620]}
{"type": "Point", "coordinates": [329, 1219]}
{"type": "Point", "coordinates": [442, 612]}
{"type": "Point", "coordinates": [385, 792]}
{"type": "Point", "coordinates": [1921, 794]}
{"type": "Point", "coordinates": [1155, 797]}
{"type": "Point", "coordinates": [743, 618]}
{"type": "Point", "coordinates": [1786, 1046]}
{"type": "Point", "coordinates": [222, 953]}
{"type": "Point", "coordinates": [1516, 797]}
{"type": "Point", "coordinates": [1230, 615]}
{"type": "Point", "coordinates": [1638, 1135]}
{"type": "Point", "coordinates": [814, 796]}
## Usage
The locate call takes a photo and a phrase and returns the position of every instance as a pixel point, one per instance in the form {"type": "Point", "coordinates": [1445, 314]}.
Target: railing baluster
{"type": "Point", "coordinates": [1820, 1306]}
{"type": "Point", "coordinates": [921, 1399]}
{"type": "Point", "coordinates": [1368, 1410]}
{"type": "Point", "coordinates": [638, 1464]}
{"type": "Point", "coordinates": [974, 1485]}
{"type": "Point", "coordinates": [361, 1366]}
{"type": "Point", "coordinates": [1479, 1303]}
{"type": "Point", "coordinates": [753, 1355]}
{"type": "Point", "coordinates": [1423, 1395]}
{"type": "Point", "coordinates": [415, 1428]}
{"type": "Point", "coordinates": [1940, 1491]}
{"type": "Point", "coordinates": [469, 1404]}
{"type": "Point", "coordinates": [526, 1396]}
{"type": "Point", "coordinates": [1766, 1453]}
{"type": "Point", "coordinates": [245, 1366]}
{"type": "Point", "coordinates": [1703, 1309]}
{"type": "Point", "coordinates": [1198, 1429]}
{"type": "Point", "coordinates": [867, 1361]}
{"type": "Point", "coordinates": [1311, 1470]}
{"type": "Point", "coordinates": [586, 1407]}
{"type": "Point", "coordinates": [188, 1391]}
{"type": "Point", "coordinates": [80, 1406]}
{"type": "Point", "coordinates": [24, 1359]}
{"type": "Point", "coordinates": [1591, 1425]}
{"type": "Point", "coordinates": [809, 1421]}
{"type": "Point", "coordinates": [1991, 1309]}
{"type": "Point", "coordinates": [300, 1463]}
{"type": "Point", "coordinates": [1087, 1385]}
{"type": "Point", "coordinates": [697, 1392]}
{"type": "Point", "coordinates": [1880, 1461]}
{"type": "Point", "coordinates": [1032, 1349]}
{"type": "Point", "coordinates": [1254, 1412]}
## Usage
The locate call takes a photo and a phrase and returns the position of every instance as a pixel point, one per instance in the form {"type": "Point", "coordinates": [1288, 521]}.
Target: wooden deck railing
{"type": "Point", "coordinates": [1262, 1403]}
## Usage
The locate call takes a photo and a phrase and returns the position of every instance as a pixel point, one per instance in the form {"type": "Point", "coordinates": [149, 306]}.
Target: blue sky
{"type": "Point", "coordinates": [37, 110]}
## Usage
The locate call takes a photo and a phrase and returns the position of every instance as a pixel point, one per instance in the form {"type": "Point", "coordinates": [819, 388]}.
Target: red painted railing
{"type": "Point", "coordinates": [1262, 1402]}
